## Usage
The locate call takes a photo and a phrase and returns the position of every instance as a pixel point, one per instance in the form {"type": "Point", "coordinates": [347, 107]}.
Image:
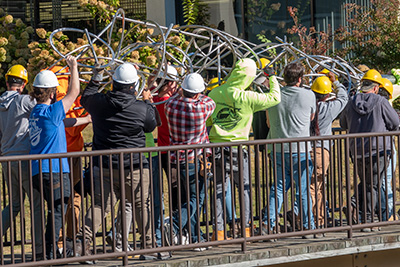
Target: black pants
{"type": "Point", "coordinates": [54, 206]}
{"type": "Point", "coordinates": [372, 182]}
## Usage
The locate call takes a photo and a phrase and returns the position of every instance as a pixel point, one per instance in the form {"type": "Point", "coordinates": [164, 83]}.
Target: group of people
{"type": "Point", "coordinates": [50, 121]}
{"type": "Point", "coordinates": [35, 124]}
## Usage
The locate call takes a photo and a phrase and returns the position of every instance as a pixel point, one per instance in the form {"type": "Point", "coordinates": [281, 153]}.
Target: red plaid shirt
{"type": "Point", "coordinates": [187, 122]}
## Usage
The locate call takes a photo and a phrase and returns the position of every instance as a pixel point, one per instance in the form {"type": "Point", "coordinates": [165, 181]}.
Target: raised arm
{"type": "Point", "coordinates": [262, 101]}
{"type": "Point", "coordinates": [73, 90]}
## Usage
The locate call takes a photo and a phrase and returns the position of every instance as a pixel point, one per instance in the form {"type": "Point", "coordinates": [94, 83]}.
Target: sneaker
{"type": "Point", "coordinates": [294, 224]}
{"type": "Point", "coordinates": [119, 248]}
{"type": "Point", "coordinates": [353, 214]}
{"type": "Point", "coordinates": [155, 256]}
{"type": "Point", "coordinates": [311, 236]}
{"type": "Point", "coordinates": [79, 250]}
{"type": "Point", "coordinates": [366, 230]}
{"type": "Point", "coordinates": [69, 252]}
{"type": "Point", "coordinates": [164, 255]}
{"type": "Point", "coordinates": [264, 231]}
{"type": "Point", "coordinates": [168, 236]}
{"type": "Point", "coordinates": [200, 249]}
{"type": "Point", "coordinates": [109, 240]}
{"type": "Point", "coordinates": [184, 240]}
{"type": "Point", "coordinates": [234, 229]}
{"type": "Point", "coordinates": [319, 235]}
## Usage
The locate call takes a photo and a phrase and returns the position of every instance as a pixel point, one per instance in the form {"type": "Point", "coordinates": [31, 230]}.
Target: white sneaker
{"type": "Point", "coordinates": [184, 239]}
{"type": "Point", "coordinates": [119, 248]}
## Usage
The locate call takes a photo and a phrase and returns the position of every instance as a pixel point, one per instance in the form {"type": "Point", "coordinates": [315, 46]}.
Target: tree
{"type": "Point", "coordinates": [372, 36]}
{"type": "Point", "coordinates": [310, 40]}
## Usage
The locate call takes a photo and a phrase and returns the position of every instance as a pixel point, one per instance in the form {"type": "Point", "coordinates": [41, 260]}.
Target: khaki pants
{"type": "Point", "coordinates": [133, 184]}
{"type": "Point", "coordinates": [317, 190]}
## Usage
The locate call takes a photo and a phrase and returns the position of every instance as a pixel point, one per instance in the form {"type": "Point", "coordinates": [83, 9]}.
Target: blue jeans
{"type": "Point", "coordinates": [230, 210]}
{"type": "Point", "coordinates": [193, 198]}
{"type": "Point", "coordinates": [387, 181]}
{"type": "Point", "coordinates": [288, 173]}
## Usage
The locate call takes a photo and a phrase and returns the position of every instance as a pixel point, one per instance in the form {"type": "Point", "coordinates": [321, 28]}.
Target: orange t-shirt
{"type": "Point", "coordinates": [73, 134]}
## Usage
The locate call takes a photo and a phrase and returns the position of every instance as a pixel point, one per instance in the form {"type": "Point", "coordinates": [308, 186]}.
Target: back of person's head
{"type": "Point", "coordinates": [292, 73]}
{"type": "Point", "coordinates": [321, 87]}
{"type": "Point", "coordinates": [125, 77]}
{"type": "Point", "coordinates": [44, 85]}
{"type": "Point", "coordinates": [13, 81]}
{"type": "Point", "coordinates": [170, 75]}
{"type": "Point", "coordinates": [16, 76]}
{"type": "Point", "coordinates": [192, 85]}
{"type": "Point", "coordinates": [371, 79]}
{"type": "Point", "coordinates": [386, 89]}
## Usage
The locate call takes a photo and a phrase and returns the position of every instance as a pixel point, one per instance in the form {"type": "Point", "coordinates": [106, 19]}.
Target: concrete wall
{"type": "Point", "coordinates": [161, 11]}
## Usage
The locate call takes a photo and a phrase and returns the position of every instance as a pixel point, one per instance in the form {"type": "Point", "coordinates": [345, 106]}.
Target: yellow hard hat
{"type": "Point", "coordinates": [324, 71]}
{"type": "Point", "coordinates": [322, 85]}
{"type": "Point", "coordinates": [388, 86]}
{"type": "Point", "coordinates": [213, 83]}
{"type": "Point", "coordinates": [18, 71]}
{"type": "Point", "coordinates": [374, 76]}
{"type": "Point", "coordinates": [264, 62]}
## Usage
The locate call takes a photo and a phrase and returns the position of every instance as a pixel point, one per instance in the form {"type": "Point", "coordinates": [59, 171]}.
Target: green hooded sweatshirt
{"type": "Point", "coordinates": [232, 117]}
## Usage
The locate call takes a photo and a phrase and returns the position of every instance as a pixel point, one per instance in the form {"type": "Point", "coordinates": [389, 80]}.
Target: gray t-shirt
{"type": "Point", "coordinates": [291, 117]}
{"type": "Point", "coordinates": [328, 112]}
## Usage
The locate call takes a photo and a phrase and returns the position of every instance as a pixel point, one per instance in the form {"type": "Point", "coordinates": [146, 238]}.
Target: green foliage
{"type": "Point", "coordinates": [190, 11]}
{"type": "Point", "coordinates": [195, 12]}
{"type": "Point", "coordinates": [396, 103]}
{"type": "Point", "coordinates": [264, 39]}
{"type": "Point", "coordinates": [372, 36]}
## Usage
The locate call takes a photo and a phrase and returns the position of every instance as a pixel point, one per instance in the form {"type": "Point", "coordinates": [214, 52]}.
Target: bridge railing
{"type": "Point", "coordinates": [248, 191]}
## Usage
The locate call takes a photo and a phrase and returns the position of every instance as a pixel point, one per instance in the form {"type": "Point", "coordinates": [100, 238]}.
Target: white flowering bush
{"type": "Point", "coordinates": [14, 40]}
{"type": "Point", "coordinates": [16, 47]}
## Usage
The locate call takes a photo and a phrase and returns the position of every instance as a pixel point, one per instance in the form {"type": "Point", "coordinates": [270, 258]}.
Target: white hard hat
{"type": "Point", "coordinates": [126, 74]}
{"type": "Point", "coordinates": [172, 73]}
{"type": "Point", "coordinates": [193, 83]}
{"type": "Point", "coordinates": [45, 79]}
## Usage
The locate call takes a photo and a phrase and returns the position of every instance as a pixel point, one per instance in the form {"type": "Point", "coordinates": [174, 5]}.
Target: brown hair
{"type": "Point", "coordinates": [292, 73]}
{"type": "Point", "coordinates": [42, 94]}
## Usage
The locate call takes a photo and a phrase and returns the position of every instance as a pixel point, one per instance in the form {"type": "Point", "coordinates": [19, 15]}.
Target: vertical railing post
{"type": "Point", "coordinates": [348, 191]}
{"type": "Point", "coordinates": [241, 196]}
{"type": "Point", "coordinates": [122, 203]}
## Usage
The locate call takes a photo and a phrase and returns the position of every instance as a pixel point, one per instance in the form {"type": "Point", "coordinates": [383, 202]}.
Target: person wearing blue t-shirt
{"type": "Point", "coordinates": [47, 136]}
